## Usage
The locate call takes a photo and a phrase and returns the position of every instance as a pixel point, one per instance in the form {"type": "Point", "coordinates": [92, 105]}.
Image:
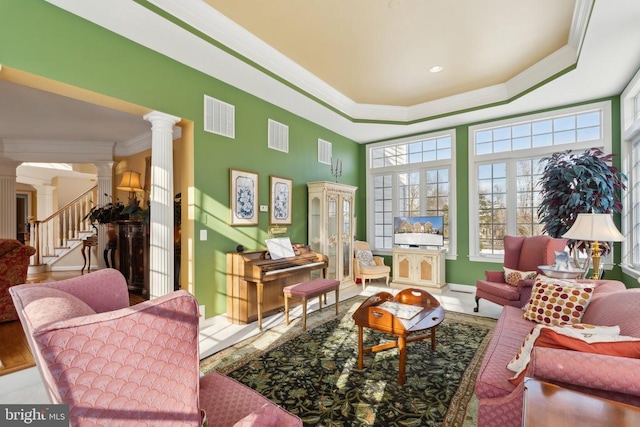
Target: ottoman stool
{"type": "Point", "coordinates": [310, 289]}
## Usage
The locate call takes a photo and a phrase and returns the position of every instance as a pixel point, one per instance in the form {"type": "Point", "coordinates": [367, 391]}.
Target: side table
{"type": "Point", "coordinates": [89, 242]}
{"type": "Point", "coordinates": [549, 405]}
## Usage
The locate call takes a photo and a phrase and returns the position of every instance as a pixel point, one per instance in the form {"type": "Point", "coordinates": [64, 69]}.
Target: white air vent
{"type": "Point", "coordinates": [324, 151]}
{"type": "Point", "coordinates": [219, 117]}
{"type": "Point", "coordinates": [278, 136]}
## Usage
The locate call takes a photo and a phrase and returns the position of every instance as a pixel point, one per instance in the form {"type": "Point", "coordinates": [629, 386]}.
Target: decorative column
{"type": "Point", "coordinates": [161, 268]}
{"type": "Point", "coordinates": [44, 208]}
{"type": "Point", "coordinates": [105, 188]}
{"type": "Point", "coordinates": [8, 225]}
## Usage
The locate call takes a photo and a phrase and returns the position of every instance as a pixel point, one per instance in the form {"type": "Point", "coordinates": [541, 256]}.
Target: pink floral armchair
{"type": "Point", "coordinates": [119, 365]}
{"type": "Point", "coordinates": [522, 254]}
{"type": "Point", "coordinates": [14, 262]}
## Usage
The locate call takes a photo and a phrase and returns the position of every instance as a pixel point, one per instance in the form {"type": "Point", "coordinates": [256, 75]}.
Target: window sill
{"type": "Point", "coordinates": [630, 271]}
{"type": "Point", "coordinates": [495, 260]}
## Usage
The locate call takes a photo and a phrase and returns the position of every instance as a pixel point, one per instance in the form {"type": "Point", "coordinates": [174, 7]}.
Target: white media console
{"type": "Point", "coordinates": [422, 268]}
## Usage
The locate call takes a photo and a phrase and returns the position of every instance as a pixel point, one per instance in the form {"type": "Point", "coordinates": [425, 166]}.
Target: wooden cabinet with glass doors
{"type": "Point", "coordinates": [332, 227]}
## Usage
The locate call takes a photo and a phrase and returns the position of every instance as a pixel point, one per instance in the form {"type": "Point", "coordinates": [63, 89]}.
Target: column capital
{"type": "Point", "coordinates": [8, 167]}
{"type": "Point", "coordinates": [163, 120]}
{"type": "Point", "coordinates": [105, 168]}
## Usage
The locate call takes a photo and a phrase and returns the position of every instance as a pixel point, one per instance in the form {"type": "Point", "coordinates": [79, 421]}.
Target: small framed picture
{"type": "Point", "coordinates": [244, 197]}
{"type": "Point", "coordinates": [281, 194]}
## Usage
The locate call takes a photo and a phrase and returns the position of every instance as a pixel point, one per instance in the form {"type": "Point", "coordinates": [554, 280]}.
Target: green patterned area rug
{"type": "Point", "coordinates": [314, 374]}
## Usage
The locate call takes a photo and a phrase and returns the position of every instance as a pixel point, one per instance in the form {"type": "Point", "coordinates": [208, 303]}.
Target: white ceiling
{"type": "Point", "coordinates": [480, 44]}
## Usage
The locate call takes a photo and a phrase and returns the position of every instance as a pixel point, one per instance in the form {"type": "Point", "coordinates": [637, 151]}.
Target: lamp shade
{"type": "Point", "coordinates": [594, 227]}
{"type": "Point", "coordinates": [130, 181]}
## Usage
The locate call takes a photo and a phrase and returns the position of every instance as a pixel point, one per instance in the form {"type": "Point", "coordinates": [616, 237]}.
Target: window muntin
{"type": "Point", "coordinates": [409, 178]}
{"type": "Point", "coordinates": [633, 236]}
{"type": "Point", "coordinates": [409, 194]}
{"type": "Point", "coordinates": [492, 206]}
{"type": "Point", "coordinates": [505, 169]}
{"type": "Point", "coordinates": [528, 173]}
{"type": "Point", "coordinates": [567, 129]}
{"type": "Point", "coordinates": [383, 210]}
{"type": "Point", "coordinates": [411, 153]}
{"type": "Point", "coordinates": [630, 150]}
{"type": "Point", "coordinates": [437, 189]}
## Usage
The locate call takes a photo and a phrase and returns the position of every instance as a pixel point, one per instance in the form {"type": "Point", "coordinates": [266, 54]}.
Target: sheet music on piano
{"type": "Point", "coordinates": [280, 247]}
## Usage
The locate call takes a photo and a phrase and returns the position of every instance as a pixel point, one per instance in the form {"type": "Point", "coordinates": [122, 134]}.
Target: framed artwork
{"type": "Point", "coordinates": [244, 197]}
{"type": "Point", "coordinates": [281, 194]}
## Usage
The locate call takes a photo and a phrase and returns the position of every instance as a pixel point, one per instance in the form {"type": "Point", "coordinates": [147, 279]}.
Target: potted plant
{"type": "Point", "coordinates": [112, 212]}
{"type": "Point", "coordinates": [574, 183]}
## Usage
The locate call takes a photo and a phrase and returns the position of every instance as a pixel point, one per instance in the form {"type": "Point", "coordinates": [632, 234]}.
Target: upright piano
{"type": "Point", "coordinates": [255, 282]}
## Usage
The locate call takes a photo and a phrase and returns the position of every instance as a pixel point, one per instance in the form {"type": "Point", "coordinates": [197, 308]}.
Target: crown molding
{"type": "Point", "coordinates": [196, 35]}
{"type": "Point", "coordinates": [218, 27]}
{"type": "Point", "coordinates": [57, 151]}
{"type": "Point", "coordinates": [134, 145]}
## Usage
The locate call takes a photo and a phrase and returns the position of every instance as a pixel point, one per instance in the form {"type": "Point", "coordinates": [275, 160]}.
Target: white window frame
{"type": "Point", "coordinates": [451, 253]}
{"type": "Point", "coordinates": [630, 126]}
{"type": "Point", "coordinates": [511, 157]}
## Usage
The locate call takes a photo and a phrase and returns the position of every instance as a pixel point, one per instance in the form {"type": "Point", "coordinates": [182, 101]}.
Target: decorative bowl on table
{"type": "Point", "coordinates": [549, 271]}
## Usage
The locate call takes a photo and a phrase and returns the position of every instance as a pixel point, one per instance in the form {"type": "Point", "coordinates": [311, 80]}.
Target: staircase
{"type": "Point", "coordinates": [60, 233]}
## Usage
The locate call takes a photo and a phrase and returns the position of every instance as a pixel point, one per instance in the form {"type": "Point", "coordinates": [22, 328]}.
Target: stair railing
{"type": "Point", "coordinates": [62, 226]}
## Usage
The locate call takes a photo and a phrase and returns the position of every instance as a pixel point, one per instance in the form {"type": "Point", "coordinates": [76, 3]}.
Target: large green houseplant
{"type": "Point", "coordinates": [112, 212]}
{"type": "Point", "coordinates": [574, 183]}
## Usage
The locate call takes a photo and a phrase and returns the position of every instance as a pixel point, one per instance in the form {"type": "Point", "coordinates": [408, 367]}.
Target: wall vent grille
{"type": "Point", "coordinates": [219, 117]}
{"type": "Point", "coordinates": [324, 152]}
{"type": "Point", "coordinates": [278, 136]}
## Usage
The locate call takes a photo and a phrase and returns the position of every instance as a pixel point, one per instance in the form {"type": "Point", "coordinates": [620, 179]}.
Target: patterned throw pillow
{"type": "Point", "coordinates": [555, 302]}
{"type": "Point", "coordinates": [512, 277]}
{"type": "Point", "coordinates": [365, 258]}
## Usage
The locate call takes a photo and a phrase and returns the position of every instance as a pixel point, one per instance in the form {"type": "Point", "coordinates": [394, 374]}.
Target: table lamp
{"type": "Point", "coordinates": [131, 183]}
{"type": "Point", "coordinates": [594, 228]}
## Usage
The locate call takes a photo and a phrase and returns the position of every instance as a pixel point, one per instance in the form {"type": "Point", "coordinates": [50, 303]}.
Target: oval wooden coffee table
{"type": "Point", "coordinates": [411, 310]}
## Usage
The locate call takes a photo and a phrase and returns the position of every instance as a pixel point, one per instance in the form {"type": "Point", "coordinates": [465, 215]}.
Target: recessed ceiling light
{"type": "Point", "coordinates": [436, 68]}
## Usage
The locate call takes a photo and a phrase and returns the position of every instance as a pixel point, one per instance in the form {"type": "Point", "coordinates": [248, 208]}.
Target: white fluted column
{"type": "Point", "coordinates": [8, 221]}
{"type": "Point", "coordinates": [161, 260]}
{"type": "Point", "coordinates": [44, 208]}
{"type": "Point", "coordinates": [105, 188]}
{"type": "Point", "coordinates": [44, 200]}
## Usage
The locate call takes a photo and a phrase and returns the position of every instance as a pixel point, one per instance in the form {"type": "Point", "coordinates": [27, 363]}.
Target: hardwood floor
{"type": "Point", "coordinates": [14, 350]}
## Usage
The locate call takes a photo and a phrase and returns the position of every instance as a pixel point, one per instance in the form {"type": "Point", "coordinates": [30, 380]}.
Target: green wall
{"type": "Point", "coordinates": [44, 40]}
{"type": "Point", "coordinates": [466, 272]}
{"type": "Point", "coordinates": [41, 39]}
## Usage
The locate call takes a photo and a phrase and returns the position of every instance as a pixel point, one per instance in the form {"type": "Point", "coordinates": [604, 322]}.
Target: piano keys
{"type": "Point", "coordinates": [255, 282]}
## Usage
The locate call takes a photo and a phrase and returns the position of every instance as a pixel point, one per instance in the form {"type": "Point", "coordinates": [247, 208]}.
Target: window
{"type": "Point", "coordinates": [633, 234]}
{"type": "Point", "coordinates": [630, 101]}
{"type": "Point", "coordinates": [409, 177]}
{"type": "Point", "coordinates": [506, 164]}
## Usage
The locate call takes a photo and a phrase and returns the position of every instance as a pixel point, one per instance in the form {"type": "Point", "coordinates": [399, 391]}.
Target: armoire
{"type": "Point", "coordinates": [332, 227]}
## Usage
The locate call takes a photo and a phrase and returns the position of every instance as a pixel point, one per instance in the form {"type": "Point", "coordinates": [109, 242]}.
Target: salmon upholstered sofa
{"type": "Point", "coordinates": [14, 263]}
{"type": "Point", "coordinates": [119, 365]}
{"type": "Point", "coordinates": [613, 377]}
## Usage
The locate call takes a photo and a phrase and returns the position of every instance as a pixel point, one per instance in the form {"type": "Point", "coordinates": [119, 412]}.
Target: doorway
{"type": "Point", "coordinates": [22, 217]}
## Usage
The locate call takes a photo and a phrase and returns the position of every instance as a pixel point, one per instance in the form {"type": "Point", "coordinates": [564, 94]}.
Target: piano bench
{"type": "Point", "coordinates": [310, 289]}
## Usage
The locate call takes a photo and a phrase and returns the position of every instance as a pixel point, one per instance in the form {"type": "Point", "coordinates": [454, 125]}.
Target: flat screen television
{"type": "Point", "coordinates": [418, 230]}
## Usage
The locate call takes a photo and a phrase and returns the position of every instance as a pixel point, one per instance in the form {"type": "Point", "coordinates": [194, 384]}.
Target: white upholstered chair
{"type": "Point", "coordinates": [366, 266]}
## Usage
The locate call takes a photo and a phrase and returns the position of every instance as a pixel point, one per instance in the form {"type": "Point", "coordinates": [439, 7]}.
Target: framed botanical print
{"type": "Point", "coordinates": [281, 194]}
{"type": "Point", "coordinates": [244, 197]}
